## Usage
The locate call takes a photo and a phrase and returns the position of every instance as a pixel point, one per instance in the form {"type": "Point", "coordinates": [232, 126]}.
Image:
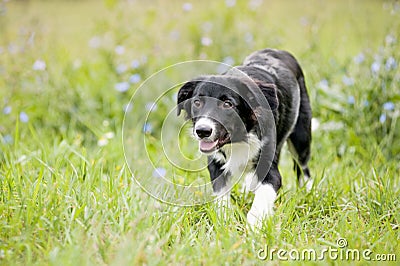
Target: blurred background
{"type": "Point", "coordinates": [73, 64]}
{"type": "Point", "coordinates": [69, 68]}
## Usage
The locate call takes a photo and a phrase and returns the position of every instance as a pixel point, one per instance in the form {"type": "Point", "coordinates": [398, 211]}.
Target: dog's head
{"type": "Point", "coordinates": [224, 109]}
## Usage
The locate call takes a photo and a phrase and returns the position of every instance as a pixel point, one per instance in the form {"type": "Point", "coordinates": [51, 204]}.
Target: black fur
{"type": "Point", "coordinates": [280, 79]}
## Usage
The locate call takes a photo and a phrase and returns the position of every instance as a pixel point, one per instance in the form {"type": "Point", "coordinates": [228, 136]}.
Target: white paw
{"type": "Point", "coordinates": [263, 205]}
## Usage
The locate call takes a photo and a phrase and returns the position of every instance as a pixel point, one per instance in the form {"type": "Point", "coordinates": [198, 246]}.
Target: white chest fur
{"type": "Point", "coordinates": [239, 156]}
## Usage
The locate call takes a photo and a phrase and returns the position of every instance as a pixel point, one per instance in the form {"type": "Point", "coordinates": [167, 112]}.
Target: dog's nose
{"type": "Point", "coordinates": [203, 131]}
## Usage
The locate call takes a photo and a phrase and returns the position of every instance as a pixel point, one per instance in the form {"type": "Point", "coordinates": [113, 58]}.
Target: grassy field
{"type": "Point", "coordinates": [68, 70]}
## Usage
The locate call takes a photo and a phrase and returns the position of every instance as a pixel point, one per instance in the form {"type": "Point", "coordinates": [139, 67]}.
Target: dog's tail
{"type": "Point", "coordinates": [301, 134]}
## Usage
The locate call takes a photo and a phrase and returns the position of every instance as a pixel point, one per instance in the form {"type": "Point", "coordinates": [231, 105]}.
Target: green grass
{"type": "Point", "coordinates": [68, 198]}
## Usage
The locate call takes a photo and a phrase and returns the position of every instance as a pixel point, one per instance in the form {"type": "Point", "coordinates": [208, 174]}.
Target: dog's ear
{"type": "Point", "coordinates": [270, 92]}
{"type": "Point", "coordinates": [185, 93]}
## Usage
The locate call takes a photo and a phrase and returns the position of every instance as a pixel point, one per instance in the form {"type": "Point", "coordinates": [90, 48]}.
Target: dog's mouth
{"type": "Point", "coordinates": [208, 146]}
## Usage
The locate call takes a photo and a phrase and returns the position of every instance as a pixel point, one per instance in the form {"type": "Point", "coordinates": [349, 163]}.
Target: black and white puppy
{"type": "Point", "coordinates": [241, 135]}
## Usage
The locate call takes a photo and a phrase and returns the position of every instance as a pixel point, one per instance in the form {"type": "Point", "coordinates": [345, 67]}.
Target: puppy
{"type": "Point", "coordinates": [242, 118]}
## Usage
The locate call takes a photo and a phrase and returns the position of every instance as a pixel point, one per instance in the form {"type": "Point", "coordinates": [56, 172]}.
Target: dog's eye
{"type": "Point", "coordinates": [227, 104]}
{"type": "Point", "coordinates": [197, 103]}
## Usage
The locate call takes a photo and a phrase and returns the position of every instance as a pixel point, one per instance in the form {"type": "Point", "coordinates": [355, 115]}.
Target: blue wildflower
{"type": "Point", "coordinates": [366, 103]}
{"type": "Point", "coordinates": [391, 63]}
{"type": "Point", "coordinates": [358, 59]}
{"type": "Point", "coordinates": [95, 42]}
{"type": "Point", "coordinates": [119, 49]}
{"type": "Point", "coordinates": [187, 7]}
{"type": "Point", "coordinates": [23, 117]}
{"type": "Point", "coordinates": [351, 100]}
{"type": "Point", "coordinates": [382, 118]}
{"type": "Point", "coordinates": [122, 86]}
{"type": "Point", "coordinates": [206, 41]}
{"type": "Point", "coordinates": [143, 59]}
{"type": "Point", "coordinates": [226, 64]}
{"type": "Point", "coordinates": [121, 68]}
{"type": "Point", "coordinates": [7, 139]}
{"type": "Point", "coordinates": [39, 65]}
{"type": "Point", "coordinates": [151, 106]}
{"type": "Point", "coordinates": [388, 106]}
{"type": "Point", "coordinates": [323, 84]}
{"type": "Point", "coordinates": [135, 64]}
{"type": "Point", "coordinates": [147, 128]}
{"type": "Point", "coordinates": [348, 81]}
{"type": "Point", "coordinates": [175, 97]}
{"type": "Point", "coordinates": [229, 60]}
{"type": "Point", "coordinates": [222, 68]}
{"type": "Point", "coordinates": [7, 110]}
{"type": "Point", "coordinates": [159, 172]}
{"type": "Point", "coordinates": [390, 39]}
{"type": "Point", "coordinates": [135, 78]}
{"type": "Point", "coordinates": [375, 67]}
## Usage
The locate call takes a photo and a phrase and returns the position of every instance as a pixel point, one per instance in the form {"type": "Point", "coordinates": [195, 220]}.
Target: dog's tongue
{"type": "Point", "coordinates": [207, 145]}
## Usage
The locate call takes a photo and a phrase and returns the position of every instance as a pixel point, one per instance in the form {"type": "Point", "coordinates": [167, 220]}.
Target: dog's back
{"type": "Point", "coordinates": [282, 69]}
{"type": "Point", "coordinates": [272, 57]}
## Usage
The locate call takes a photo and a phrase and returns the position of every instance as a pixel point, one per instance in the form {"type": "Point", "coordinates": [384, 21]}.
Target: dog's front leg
{"type": "Point", "coordinates": [264, 198]}
{"type": "Point", "coordinates": [221, 188]}
{"type": "Point", "coordinates": [223, 203]}
{"type": "Point", "coordinates": [223, 195]}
